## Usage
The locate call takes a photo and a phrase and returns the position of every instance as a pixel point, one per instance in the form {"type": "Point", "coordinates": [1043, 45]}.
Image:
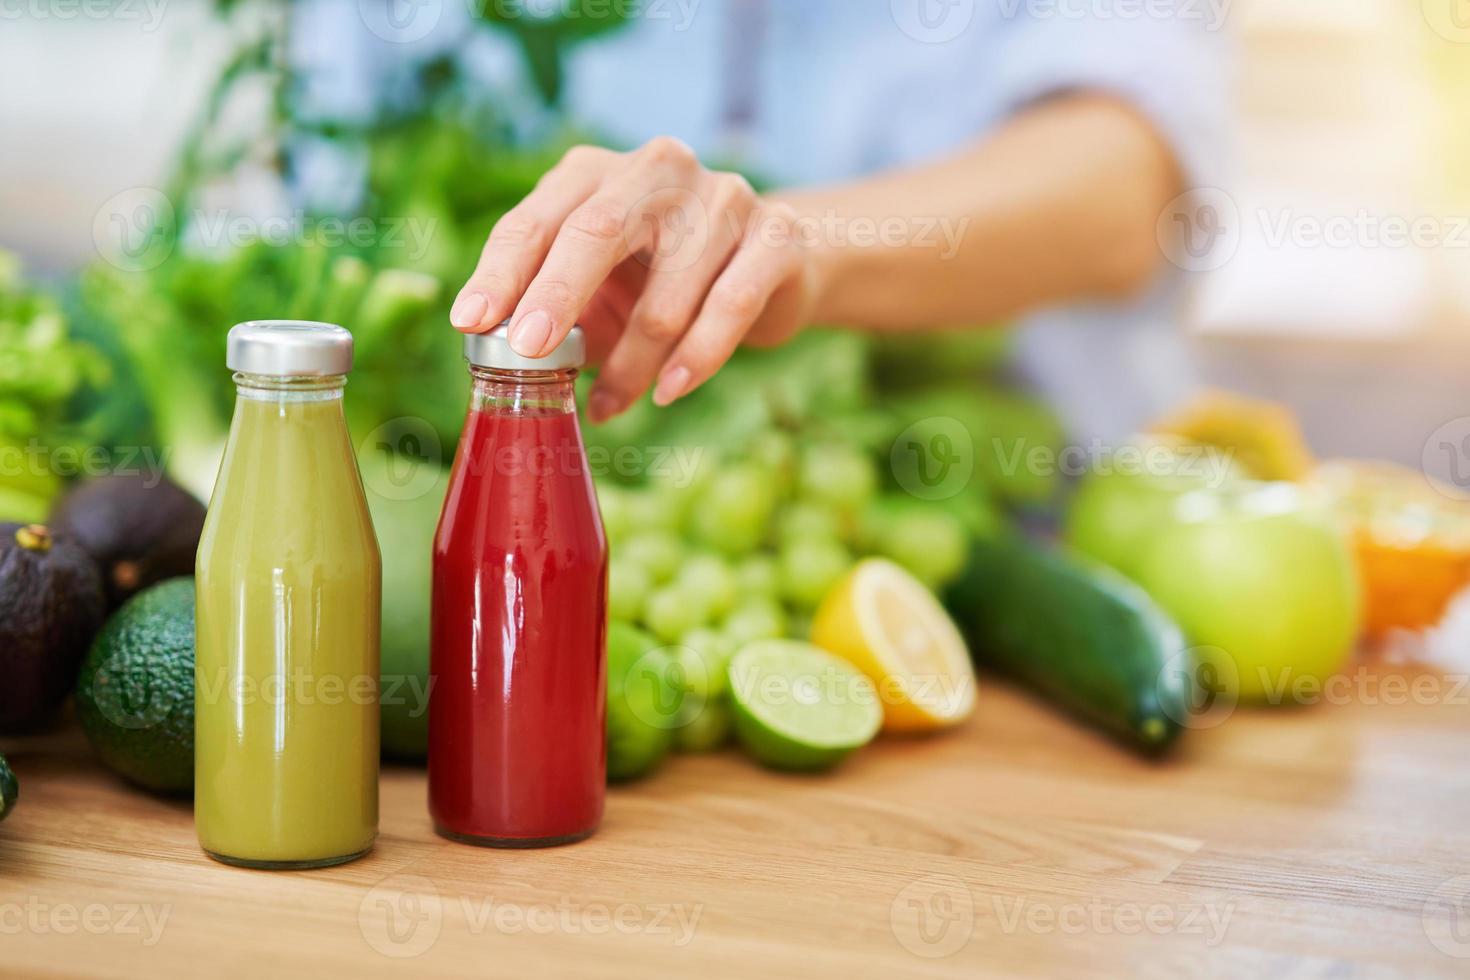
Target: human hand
{"type": "Point", "coordinates": [668, 266]}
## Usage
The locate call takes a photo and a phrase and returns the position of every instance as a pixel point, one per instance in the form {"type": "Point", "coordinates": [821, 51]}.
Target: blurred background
{"type": "Point", "coordinates": [1337, 284]}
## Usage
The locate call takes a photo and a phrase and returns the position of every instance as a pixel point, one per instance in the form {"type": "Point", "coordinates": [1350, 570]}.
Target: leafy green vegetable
{"type": "Point", "coordinates": [45, 372]}
{"type": "Point", "coordinates": [546, 32]}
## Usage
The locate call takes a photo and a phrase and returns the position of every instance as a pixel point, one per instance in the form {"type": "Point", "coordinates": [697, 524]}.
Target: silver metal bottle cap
{"type": "Point", "coordinates": [289, 348]}
{"type": "Point", "coordinates": [492, 350]}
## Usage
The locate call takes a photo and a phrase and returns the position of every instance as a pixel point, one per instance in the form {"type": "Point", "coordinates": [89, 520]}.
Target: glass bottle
{"type": "Point", "coordinates": [287, 586]}
{"type": "Point", "coordinates": [519, 623]}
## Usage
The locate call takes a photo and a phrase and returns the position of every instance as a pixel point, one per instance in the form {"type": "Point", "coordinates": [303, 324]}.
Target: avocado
{"type": "Point", "coordinates": [140, 529]}
{"type": "Point", "coordinates": [9, 789]}
{"type": "Point", "coordinates": [50, 607]}
{"type": "Point", "coordinates": [135, 695]}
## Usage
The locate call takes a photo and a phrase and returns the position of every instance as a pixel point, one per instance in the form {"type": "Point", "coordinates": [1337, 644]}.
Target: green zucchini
{"type": "Point", "coordinates": [1079, 634]}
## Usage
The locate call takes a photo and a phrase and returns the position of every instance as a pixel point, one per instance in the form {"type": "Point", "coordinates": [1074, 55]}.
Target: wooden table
{"type": "Point", "coordinates": [1329, 841]}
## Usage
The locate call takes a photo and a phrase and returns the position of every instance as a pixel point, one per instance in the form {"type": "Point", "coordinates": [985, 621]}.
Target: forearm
{"type": "Point", "coordinates": [1058, 205]}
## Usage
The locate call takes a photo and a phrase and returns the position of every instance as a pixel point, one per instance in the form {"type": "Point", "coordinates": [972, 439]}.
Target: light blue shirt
{"type": "Point", "coordinates": [812, 91]}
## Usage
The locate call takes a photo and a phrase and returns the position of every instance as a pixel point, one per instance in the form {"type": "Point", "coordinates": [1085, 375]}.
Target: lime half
{"type": "Point", "coordinates": [799, 707]}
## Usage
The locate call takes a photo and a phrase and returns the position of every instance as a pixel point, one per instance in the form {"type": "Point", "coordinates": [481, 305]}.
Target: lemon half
{"type": "Point", "coordinates": [887, 624]}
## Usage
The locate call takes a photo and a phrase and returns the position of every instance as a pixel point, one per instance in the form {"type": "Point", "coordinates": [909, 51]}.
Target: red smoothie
{"type": "Point", "coordinates": [517, 704]}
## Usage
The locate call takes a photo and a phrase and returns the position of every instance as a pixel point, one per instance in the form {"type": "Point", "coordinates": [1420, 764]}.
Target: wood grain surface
{"type": "Point", "coordinates": [1311, 842]}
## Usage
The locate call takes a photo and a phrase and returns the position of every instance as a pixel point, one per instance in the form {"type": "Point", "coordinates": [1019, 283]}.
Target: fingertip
{"type": "Point", "coordinates": [468, 312]}
{"type": "Point", "coordinates": [530, 334]}
{"type": "Point", "coordinates": [671, 386]}
{"type": "Point", "coordinates": [483, 326]}
{"type": "Point", "coordinates": [601, 406]}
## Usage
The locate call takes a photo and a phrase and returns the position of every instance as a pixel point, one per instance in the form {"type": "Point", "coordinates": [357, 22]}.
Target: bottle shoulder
{"type": "Point", "coordinates": [289, 527]}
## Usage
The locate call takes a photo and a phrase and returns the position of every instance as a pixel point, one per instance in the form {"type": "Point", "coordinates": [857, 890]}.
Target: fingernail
{"type": "Point", "coordinates": [601, 405]}
{"type": "Point", "coordinates": [529, 335]}
{"type": "Point", "coordinates": [671, 386]}
{"type": "Point", "coordinates": [468, 310]}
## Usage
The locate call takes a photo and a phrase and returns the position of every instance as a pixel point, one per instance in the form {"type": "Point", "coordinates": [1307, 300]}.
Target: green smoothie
{"type": "Point", "coordinates": [288, 579]}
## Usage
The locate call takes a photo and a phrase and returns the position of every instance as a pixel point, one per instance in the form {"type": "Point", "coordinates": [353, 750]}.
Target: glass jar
{"type": "Point", "coordinates": [287, 591]}
{"type": "Point", "coordinates": [517, 702]}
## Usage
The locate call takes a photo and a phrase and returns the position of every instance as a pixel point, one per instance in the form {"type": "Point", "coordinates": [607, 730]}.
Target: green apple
{"type": "Point", "coordinates": [405, 530]}
{"type": "Point", "coordinates": [1262, 583]}
{"type": "Point", "coordinates": [1130, 495]}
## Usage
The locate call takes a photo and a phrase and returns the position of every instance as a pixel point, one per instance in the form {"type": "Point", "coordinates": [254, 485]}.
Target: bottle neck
{"type": "Point", "coordinates": [506, 392]}
{"type": "Point", "coordinates": [263, 387]}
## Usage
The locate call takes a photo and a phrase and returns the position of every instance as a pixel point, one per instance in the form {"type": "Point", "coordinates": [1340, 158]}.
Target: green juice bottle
{"type": "Point", "coordinates": [288, 579]}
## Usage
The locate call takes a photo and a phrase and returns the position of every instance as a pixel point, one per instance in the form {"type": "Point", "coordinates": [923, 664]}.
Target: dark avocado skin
{"type": "Point", "coordinates": [9, 789]}
{"type": "Point", "coordinates": [140, 529]}
{"type": "Point", "coordinates": [135, 691]}
{"type": "Point", "coordinates": [51, 606]}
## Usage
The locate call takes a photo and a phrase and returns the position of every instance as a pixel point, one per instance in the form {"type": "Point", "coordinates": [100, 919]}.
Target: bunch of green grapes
{"type": "Point", "coordinates": [746, 547]}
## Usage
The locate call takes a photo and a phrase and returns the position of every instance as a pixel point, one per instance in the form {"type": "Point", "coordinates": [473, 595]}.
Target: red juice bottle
{"type": "Point", "coordinates": [517, 705]}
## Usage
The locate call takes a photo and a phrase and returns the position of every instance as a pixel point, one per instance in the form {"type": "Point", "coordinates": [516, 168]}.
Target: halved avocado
{"type": "Point", "coordinates": [51, 605]}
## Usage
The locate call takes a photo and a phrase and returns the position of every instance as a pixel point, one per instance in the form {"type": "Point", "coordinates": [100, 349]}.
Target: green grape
{"type": "Point", "coordinates": [715, 650]}
{"type": "Point", "coordinates": [658, 551]}
{"type": "Point", "coordinates": [809, 567]}
{"type": "Point", "coordinates": [929, 542]}
{"type": "Point", "coordinates": [733, 511]}
{"type": "Point", "coordinates": [776, 451]}
{"type": "Point", "coordinates": [756, 618]}
{"type": "Point", "coordinates": [804, 519]}
{"type": "Point", "coordinates": [710, 578]}
{"type": "Point", "coordinates": [699, 681]}
{"type": "Point", "coordinates": [980, 518]}
{"type": "Point", "coordinates": [670, 612]}
{"type": "Point", "coordinates": [649, 511]}
{"type": "Point", "coordinates": [707, 730]}
{"type": "Point", "coordinates": [678, 502]}
{"type": "Point", "coordinates": [628, 585]}
{"type": "Point", "coordinates": [838, 476]}
{"type": "Point", "coordinates": [874, 521]}
{"type": "Point", "coordinates": [756, 575]}
{"type": "Point", "coordinates": [700, 674]}
{"type": "Point", "coordinates": [927, 538]}
{"type": "Point", "coordinates": [676, 487]}
{"type": "Point", "coordinates": [682, 469]}
{"type": "Point", "coordinates": [613, 502]}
